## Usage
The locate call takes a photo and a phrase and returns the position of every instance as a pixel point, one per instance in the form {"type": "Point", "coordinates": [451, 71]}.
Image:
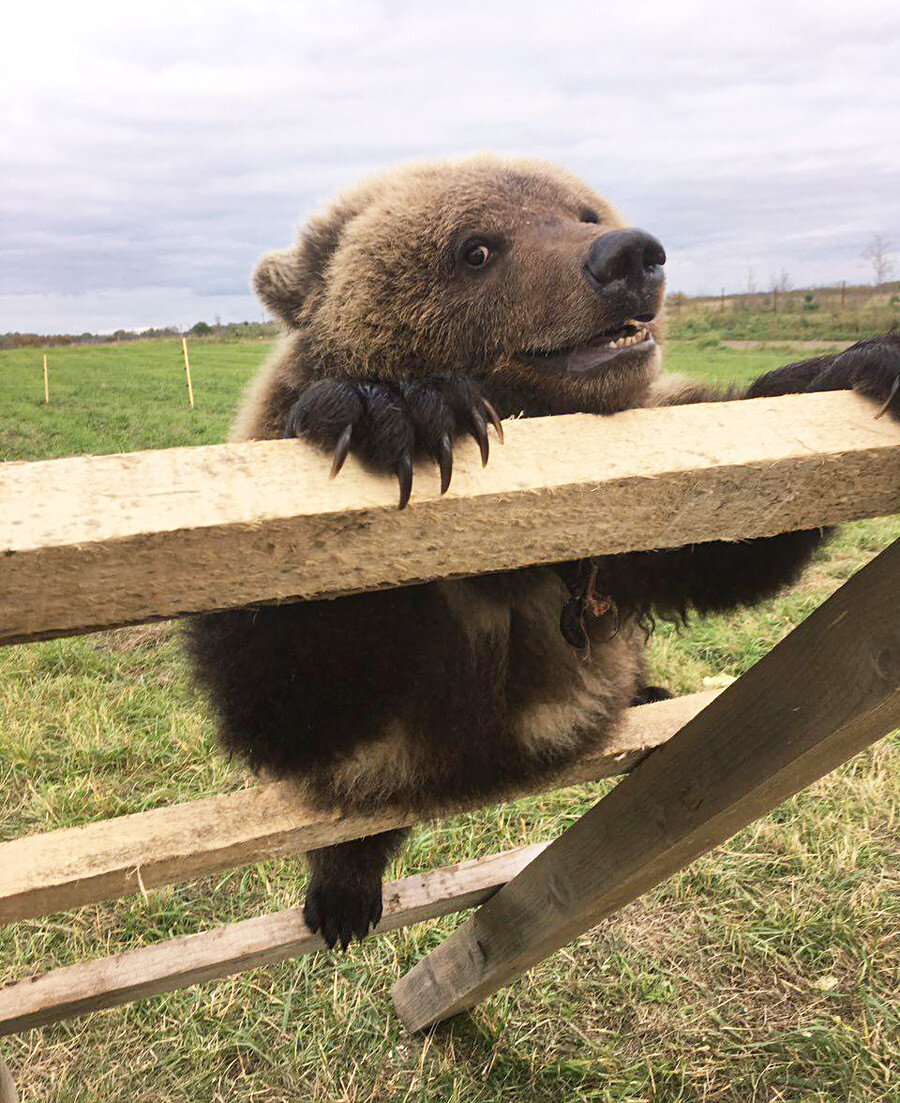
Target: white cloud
{"type": "Point", "coordinates": [151, 154]}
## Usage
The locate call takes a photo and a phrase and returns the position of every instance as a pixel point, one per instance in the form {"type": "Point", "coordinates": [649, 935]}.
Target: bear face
{"type": "Point", "coordinates": [511, 270]}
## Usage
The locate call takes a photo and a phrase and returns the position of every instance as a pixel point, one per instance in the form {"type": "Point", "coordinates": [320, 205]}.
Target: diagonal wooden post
{"type": "Point", "coordinates": [827, 690]}
{"type": "Point", "coordinates": [8, 1093]}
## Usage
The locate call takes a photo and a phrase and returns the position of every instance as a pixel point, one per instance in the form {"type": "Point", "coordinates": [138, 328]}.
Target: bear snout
{"type": "Point", "coordinates": [626, 260]}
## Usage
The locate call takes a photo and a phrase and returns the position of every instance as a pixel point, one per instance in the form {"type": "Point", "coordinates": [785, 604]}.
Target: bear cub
{"type": "Point", "coordinates": [423, 306]}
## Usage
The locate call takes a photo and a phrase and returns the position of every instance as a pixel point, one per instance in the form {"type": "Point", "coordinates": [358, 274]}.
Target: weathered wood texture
{"type": "Point", "coordinates": [826, 691]}
{"type": "Point", "coordinates": [237, 947]}
{"type": "Point", "coordinates": [40, 874]}
{"type": "Point", "coordinates": [8, 1093]}
{"type": "Point", "coordinates": [91, 542]}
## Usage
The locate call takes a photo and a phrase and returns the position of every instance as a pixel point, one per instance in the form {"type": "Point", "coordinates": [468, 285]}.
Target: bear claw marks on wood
{"type": "Point", "coordinates": [826, 691]}
{"type": "Point", "coordinates": [85, 549]}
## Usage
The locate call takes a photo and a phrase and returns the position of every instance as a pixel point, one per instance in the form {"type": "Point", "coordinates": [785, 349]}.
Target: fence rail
{"type": "Point", "coordinates": [73, 866]}
{"type": "Point", "coordinates": [100, 541]}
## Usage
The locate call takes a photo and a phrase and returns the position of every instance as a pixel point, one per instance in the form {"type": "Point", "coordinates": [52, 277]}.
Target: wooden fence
{"type": "Point", "coordinates": [95, 542]}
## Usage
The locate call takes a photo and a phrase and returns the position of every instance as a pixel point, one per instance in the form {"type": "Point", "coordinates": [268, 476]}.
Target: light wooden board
{"type": "Point", "coordinates": [8, 1093]}
{"type": "Point", "coordinates": [236, 947]}
{"type": "Point", "coordinates": [92, 542]}
{"type": "Point", "coordinates": [40, 874]}
{"type": "Point", "coordinates": [826, 691]}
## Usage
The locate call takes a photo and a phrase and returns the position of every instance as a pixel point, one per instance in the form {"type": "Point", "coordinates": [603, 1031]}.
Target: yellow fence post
{"type": "Point", "coordinates": [187, 371]}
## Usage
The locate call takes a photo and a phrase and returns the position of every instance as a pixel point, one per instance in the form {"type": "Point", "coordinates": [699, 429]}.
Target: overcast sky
{"type": "Point", "coordinates": [150, 153]}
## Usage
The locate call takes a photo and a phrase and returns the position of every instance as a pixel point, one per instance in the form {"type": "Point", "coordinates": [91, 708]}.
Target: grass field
{"type": "Point", "coordinates": [768, 971]}
{"type": "Point", "coordinates": [821, 313]}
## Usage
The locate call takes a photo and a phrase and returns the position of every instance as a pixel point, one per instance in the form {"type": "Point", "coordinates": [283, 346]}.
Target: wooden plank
{"type": "Point", "coordinates": [91, 542]}
{"type": "Point", "coordinates": [40, 874]}
{"type": "Point", "coordinates": [826, 691]}
{"type": "Point", "coordinates": [237, 947]}
{"type": "Point", "coordinates": [8, 1093]}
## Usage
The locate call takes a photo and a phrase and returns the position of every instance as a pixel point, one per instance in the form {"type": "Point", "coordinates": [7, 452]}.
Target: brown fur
{"type": "Point", "coordinates": [369, 288]}
{"type": "Point", "coordinates": [433, 694]}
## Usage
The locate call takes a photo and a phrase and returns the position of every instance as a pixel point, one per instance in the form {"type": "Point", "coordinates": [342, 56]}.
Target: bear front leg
{"type": "Point", "coordinates": [648, 695]}
{"type": "Point", "coordinates": [721, 575]}
{"type": "Point", "coordinates": [713, 577]}
{"type": "Point", "coordinates": [870, 367]}
{"type": "Point", "coordinates": [344, 897]}
{"type": "Point", "coordinates": [387, 424]}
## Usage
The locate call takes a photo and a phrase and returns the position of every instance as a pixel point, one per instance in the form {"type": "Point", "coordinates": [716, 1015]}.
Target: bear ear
{"type": "Point", "coordinates": [285, 278]}
{"type": "Point", "coordinates": [281, 280]}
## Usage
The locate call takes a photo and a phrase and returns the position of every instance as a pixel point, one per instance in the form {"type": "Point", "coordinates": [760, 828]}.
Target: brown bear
{"type": "Point", "coordinates": [426, 304]}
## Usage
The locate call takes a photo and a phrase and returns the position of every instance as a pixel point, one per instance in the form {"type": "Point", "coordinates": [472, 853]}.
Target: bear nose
{"type": "Point", "coordinates": [633, 256]}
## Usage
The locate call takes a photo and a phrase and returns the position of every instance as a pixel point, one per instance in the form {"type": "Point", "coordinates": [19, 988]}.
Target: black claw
{"type": "Point", "coordinates": [444, 453]}
{"type": "Point", "coordinates": [479, 432]}
{"type": "Point", "coordinates": [404, 476]}
{"type": "Point", "coordinates": [341, 449]}
{"type": "Point", "coordinates": [890, 398]}
{"type": "Point", "coordinates": [494, 418]}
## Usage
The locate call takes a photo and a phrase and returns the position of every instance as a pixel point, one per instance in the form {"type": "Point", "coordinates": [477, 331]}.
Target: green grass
{"type": "Point", "coordinates": [823, 314]}
{"type": "Point", "coordinates": [767, 971]}
{"type": "Point", "coordinates": [119, 398]}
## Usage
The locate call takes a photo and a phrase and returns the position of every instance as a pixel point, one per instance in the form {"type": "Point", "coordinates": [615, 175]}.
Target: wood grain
{"type": "Point", "coordinates": [98, 541]}
{"type": "Point", "coordinates": [40, 874]}
{"type": "Point", "coordinates": [236, 947]}
{"type": "Point", "coordinates": [8, 1093]}
{"type": "Point", "coordinates": [826, 691]}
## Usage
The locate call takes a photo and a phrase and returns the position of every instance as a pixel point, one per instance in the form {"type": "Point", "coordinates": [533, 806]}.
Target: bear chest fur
{"type": "Point", "coordinates": [494, 697]}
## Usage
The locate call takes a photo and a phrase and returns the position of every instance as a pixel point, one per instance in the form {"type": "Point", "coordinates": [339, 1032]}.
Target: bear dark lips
{"type": "Point", "coordinates": [627, 341]}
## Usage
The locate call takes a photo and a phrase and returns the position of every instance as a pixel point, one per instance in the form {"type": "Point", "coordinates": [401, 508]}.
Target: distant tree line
{"type": "Point", "coordinates": [229, 331]}
{"type": "Point", "coordinates": [844, 312]}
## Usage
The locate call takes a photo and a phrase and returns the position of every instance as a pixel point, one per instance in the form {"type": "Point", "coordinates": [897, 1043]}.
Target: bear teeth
{"type": "Point", "coordinates": [634, 339]}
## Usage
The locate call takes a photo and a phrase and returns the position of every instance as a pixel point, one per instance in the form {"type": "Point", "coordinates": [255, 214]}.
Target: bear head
{"type": "Point", "coordinates": [511, 270]}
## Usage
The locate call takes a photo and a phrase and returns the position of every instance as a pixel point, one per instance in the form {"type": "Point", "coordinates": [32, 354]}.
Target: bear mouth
{"type": "Point", "coordinates": [630, 340]}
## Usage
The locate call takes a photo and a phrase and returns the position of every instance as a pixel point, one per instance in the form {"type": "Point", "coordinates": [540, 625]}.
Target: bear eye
{"type": "Point", "coordinates": [476, 254]}
{"type": "Point", "coordinates": [587, 215]}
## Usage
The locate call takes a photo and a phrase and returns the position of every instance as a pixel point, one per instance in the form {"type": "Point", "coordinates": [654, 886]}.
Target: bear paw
{"type": "Point", "coordinates": [648, 695]}
{"type": "Point", "coordinates": [872, 368]}
{"type": "Point", "coordinates": [342, 910]}
{"type": "Point", "coordinates": [386, 424]}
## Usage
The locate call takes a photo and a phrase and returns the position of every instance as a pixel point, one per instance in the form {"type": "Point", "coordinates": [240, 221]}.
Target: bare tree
{"type": "Point", "coordinates": [780, 284]}
{"type": "Point", "coordinates": [878, 255]}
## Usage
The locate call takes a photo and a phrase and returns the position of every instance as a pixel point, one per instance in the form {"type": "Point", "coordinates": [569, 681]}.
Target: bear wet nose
{"type": "Point", "coordinates": [631, 256]}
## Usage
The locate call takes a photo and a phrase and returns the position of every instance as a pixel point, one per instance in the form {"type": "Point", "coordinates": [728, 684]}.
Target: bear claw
{"type": "Point", "coordinates": [388, 423]}
{"type": "Point", "coordinates": [341, 449]}
{"type": "Point", "coordinates": [404, 477]}
{"type": "Point", "coordinates": [444, 454]}
{"type": "Point", "coordinates": [494, 418]}
{"type": "Point", "coordinates": [895, 386]}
